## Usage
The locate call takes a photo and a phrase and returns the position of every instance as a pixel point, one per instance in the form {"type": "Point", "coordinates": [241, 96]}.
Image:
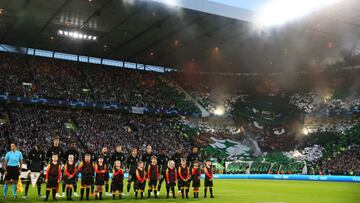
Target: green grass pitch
{"type": "Point", "coordinates": [246, 191]}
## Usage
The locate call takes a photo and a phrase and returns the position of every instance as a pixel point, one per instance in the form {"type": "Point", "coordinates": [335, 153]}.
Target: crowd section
{"type": "Point", "coordinates": [342, 163]}
{"type": "Point", "coordinates": [92, 130]}
{"type": "Point", "coordinates": [66, 80]}
{"type": "Point", "coordinates": [311, 102]}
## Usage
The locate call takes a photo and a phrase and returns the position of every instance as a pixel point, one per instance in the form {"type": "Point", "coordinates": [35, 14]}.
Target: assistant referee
{"type": "Point", "coordinates": [12, 167]}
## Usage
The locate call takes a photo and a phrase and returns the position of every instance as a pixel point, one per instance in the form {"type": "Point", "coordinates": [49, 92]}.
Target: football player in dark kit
{"type": "Point", "coordinates": [153, 176]}
{"type": "Point", "coordinates": [106, 157]}
{"type": "Point", "coordinates": [146, 158]}
{"type": "Point", "coordinates": [163, 160]}
{"type": "Point", "coordinates": [171, 179]}
{"type": "Point", "coordinates": [193, 156]}
{"type": "Point", "coordinates": [195, 178]}
{"type": "Point", "coordinates": [177, 159]}
{"type": "Point", "coordinates": [118, 155]}
{"type": "Point", "coordinates": [208, 170]}
{"type": "Point", "coordinates": [70, 173]}
{"type": "Point", "coordinates": [140, 180]}
{"type": "Point", "coordinates": [117, 180]}
{"type": "Point", "coordinates": [72, 150]}
{"type": "Point", "coordinates": [56, 149]}
{"type": "Point", "coordinates": [184, 178]}
{"type": "Point", "coordinates": [87, 170]}
{"type": "Point", "coordinates": [131, 164]}
{"type": "Point", "coordinates": [35, 160]}
{"type": "Point", "coordinates": [52, 177]}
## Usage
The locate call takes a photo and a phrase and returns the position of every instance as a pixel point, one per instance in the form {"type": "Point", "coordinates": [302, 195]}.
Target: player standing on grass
{"type": "Point", "coordinates": [195, 177]}
{"type": "Point", "coordinates": [35, 161]}
{"type": "Point", "coordinates": [177, 159]}
{"type": "Point", "coordinates": [163, 160]}
{"type": "Point", "coordinates": [87, 170]}
{"type": "Point", "coordinates": [52, 177]}
{"type": "Point", "coordinates": [208, 170]}
{"type": "Point", "coordinates": [12, 167]}
{"type": "Point", "coordinates": [74, 152]}
{"type": "Point", "coordinates": [70, 173]}
{"type": "Point", "coordinates": [153, 176]}
{"type": "Point", "coordinates": [56, 149]}
{"type": "Point", "coordinates": [101, 171]}
{"type": "Point", "coordinates": [106, 158]}
{"type": "Point", "coordinates": [171, 179]}
{"type": "Point", "coordinates": [132, 162]}
{"type": "Point", "coordinates": [140, 180]}
{"type": "Point", "coordinates": [184, 178]}
{"type": "Point", "coordinates": [117, 184]}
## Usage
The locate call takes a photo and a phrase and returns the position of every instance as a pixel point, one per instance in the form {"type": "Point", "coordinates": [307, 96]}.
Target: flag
{"type": "Point", "coordinates": [34, 176]}
{"type": "Point", "coordinates": [19, 186]}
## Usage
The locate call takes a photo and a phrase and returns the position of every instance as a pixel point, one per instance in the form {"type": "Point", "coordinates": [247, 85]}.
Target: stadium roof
{"type": "Point", "coordinates": [187, 37]}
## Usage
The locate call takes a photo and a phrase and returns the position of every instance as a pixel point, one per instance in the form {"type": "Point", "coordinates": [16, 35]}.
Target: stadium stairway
{"type": "Point", "coordinates": [204, 112]}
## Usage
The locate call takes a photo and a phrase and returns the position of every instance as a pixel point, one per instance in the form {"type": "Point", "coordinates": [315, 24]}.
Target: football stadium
{"type": "Point", "coordinates": [252, 101]}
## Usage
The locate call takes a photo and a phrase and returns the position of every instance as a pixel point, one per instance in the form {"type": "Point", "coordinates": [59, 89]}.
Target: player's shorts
{"type": "Point", "coordinates": [117, 186]}
{"type": "Point", "coordinates": [196, 183]}
{"type": "Point", "coordinates": [70, 181]}
{"type": "Point", "coordinates": [183, 183]}
{"type": "Point", "coordinates": [87, 180]}
{"type": "Point", "coordinates": [13, 173]}
{"type": "Point", "coordinates": [153, 182]}
{"type": "Point", "coordinates": [139, 186]}
{"type": "Point", "coordinates": [52, 183]}
{"type": "Point", "coordinates": [208, 183]}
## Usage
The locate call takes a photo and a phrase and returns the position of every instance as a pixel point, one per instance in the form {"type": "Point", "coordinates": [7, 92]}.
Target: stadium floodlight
{"type": "Point", "coordinates": [219, 110]}
{"type": "Point", "coordinates": [278, 12]}
{"type": "Point", "coordinates": [305, 131]}
{"type": "Point", "coordinates": [76, 35]}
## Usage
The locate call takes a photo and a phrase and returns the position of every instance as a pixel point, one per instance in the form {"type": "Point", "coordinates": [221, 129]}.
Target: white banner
{"type": "Point", "coordinates": [34, 176]}
{"type": "Point", "coordinates": [138, 110]}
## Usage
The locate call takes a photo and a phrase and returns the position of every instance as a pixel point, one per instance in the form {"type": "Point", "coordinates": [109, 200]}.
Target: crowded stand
{"type": "Point", "coordinates": [37, 125]}
{"type": "Point", "coordinates": [64, 80]}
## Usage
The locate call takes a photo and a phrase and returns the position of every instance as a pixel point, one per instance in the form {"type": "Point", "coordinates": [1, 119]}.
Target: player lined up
{"type": "Point", "coordinates": [151, 170]}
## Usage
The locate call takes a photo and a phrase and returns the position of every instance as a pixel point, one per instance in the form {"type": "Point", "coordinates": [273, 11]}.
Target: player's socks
{"type": "Point", "coordinates": [27, 188]}
{"type": "Point", "coordinates": [173, 191]}
{"type": "Point", "coordinates": [149, 192]}
{"type": "Point", "coordinates": [70, 193]}
{"type": "Point", "coordinates": [155, 193]}
{"type": "Point", "coordinates": [75, 188]}
{"type": "Point", "coordinates": [63, 187]}
{"type": "Point", "coordinates": [113, 196]}
{"type": "Point", "coordinates": [107, 187]}
{"type": "Point", "coordinates": [87, 193]}
{"type": "Point", "coordinates": [187, 193]}
{"type": "Point", "coordinates": [142, 195]}
{"type": "Point", "coordinates": [92, 189]}
{"type": "Point", "coordinates": [167, 191]}
{"type": "Point", "coordinates": [54, 194]}
{"type": "Point", "coordinates": [67, 193]}
{"type": "Point", "coordinates": [120, 197]}
{"type": "Point", "coordinates": [47, 194]}
{"type": "Point", "coordinates": [100, 195]}
{"type": "Point", "coordinates": [39, 190]}
{"type": "Point", "coordinates": [205, 191]}
{"type": "Point", "coordinates": [82, 190]}
{"type": "Point", "coordinates": [211, 193]}
{"type": "Point", "coordinates": [182, 193]}
{"type": "Point", "coordinates": [136, 194]}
